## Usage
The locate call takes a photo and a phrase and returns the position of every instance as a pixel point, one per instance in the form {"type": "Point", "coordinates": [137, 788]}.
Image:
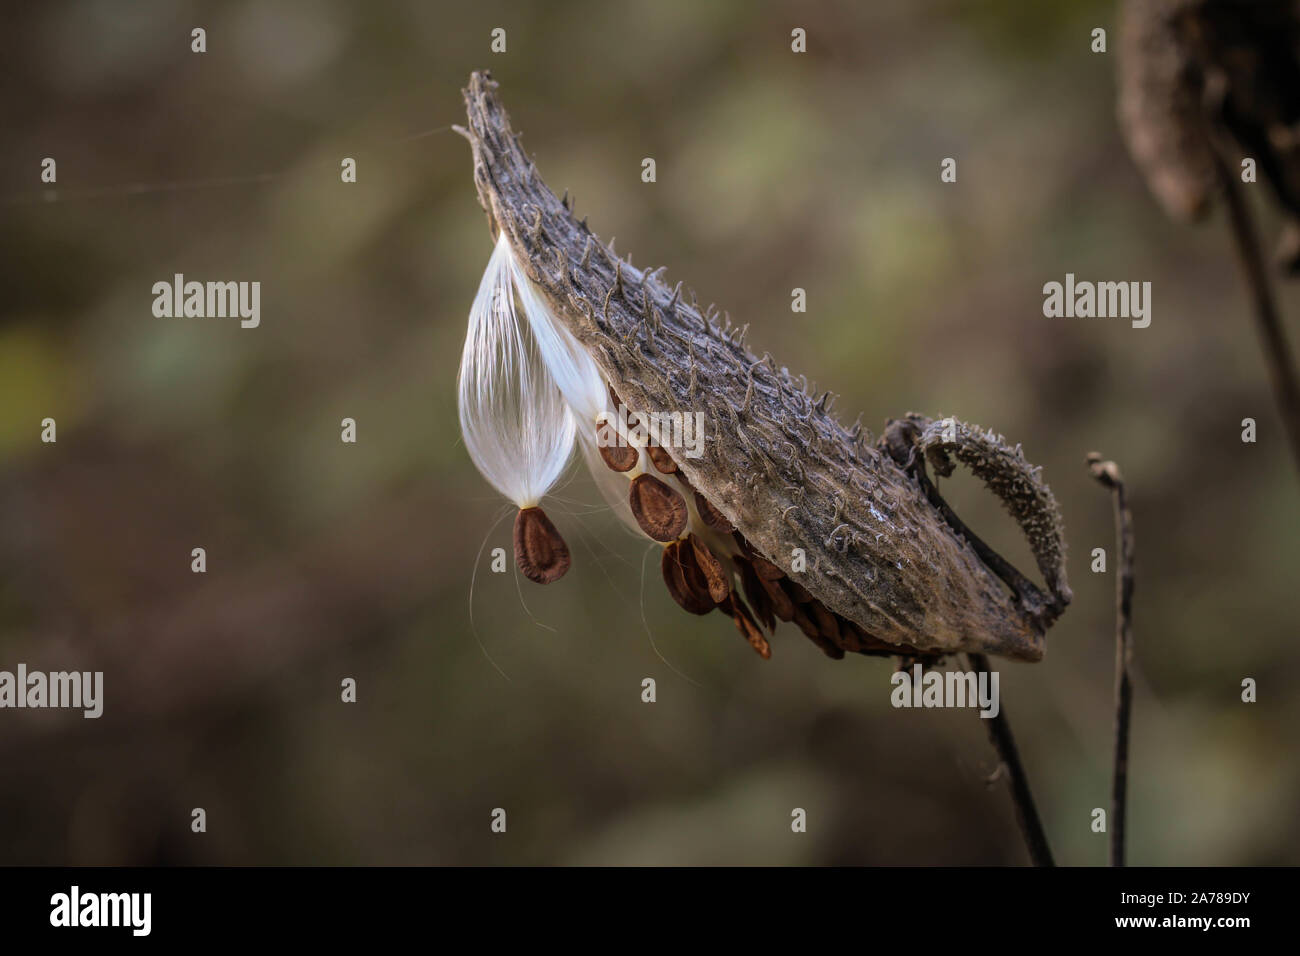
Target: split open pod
{"type": "Point", "coordinates": [767, 507]}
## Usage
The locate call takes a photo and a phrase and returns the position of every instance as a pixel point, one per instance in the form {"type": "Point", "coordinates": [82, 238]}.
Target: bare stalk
{"type": "Point", "coordinates": [1107, 472]}
{"type": "Point", "coordinates": [999, 729]}
{"type": "Point", "coordinates": [1277, 351]}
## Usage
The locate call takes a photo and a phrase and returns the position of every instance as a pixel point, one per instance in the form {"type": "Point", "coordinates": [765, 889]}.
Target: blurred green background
{"type": "Point", "coordinates": [328, 560]}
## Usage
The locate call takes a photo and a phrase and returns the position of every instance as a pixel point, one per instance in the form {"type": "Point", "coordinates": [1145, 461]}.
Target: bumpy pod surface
{"type": "Point", "coordinates": [775, 462]}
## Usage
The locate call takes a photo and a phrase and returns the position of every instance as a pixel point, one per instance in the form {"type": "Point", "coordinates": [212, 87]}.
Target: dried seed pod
{"type": "Point", "coordinates": [658, 509]}
{"type": "Point", "coordinates": [1199, 77]}
{"type": "Point", "coordinates": [915, 440]}
{"type": "Point", "coordinates": [714, 573]}
{"type": "Point", "coordinates": [684, 580]}
{"type": "Point", "coordinates": [711, 516]}
{"type": "Point", "coordinates": [617, 454]}
{"type": "Point", "coordinates": [540, 552]}
{"type": "Point", "coordinates": [662, 460]}
{"type": "Point", "coordinates": [879, 550]}
{"type": "Point", "coordinates": [1161, 113]}
{"type": "Point", "coordinates": [1005, 472]}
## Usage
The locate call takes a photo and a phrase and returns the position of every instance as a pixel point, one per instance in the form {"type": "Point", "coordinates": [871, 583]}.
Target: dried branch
{"type": "Point", "coordinates": [1107, 472]}
{"type": "Point", "coordinates": [999, 729]}
{"type": "Point", "coordinates": [915, 441]}
{"type": "Point", "coordinates": [1273, 341]}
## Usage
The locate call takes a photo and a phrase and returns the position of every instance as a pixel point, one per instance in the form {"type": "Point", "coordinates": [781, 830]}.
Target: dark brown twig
{"type": "Point", "coordinates": [999, 729]}
{"type": "Point", "coordinates": [903, 439]}
{"type": "Point", "coordinates": [1277, 351]}
{"type": "Point", "coordinates": [1107, 472]}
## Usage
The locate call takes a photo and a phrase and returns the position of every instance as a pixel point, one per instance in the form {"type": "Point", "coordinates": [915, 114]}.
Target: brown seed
{"type": "Point", "coordinates": [766, 569]}
{"type": "Point", "coordinates": [854, 637]}
{"type": "Point", "coordinates": [748, 629]}
{"type": "Point", "coordinates": [797, 592]}
{"type": "Point", "coordinates": [714, 573]}
{"type": "Point", "coordinates": [658, 509]}
{"type": "Point", "coordinates": [756, 595]}
{"type": "Point", "coordinates": [711, 516]}
{"type": "Point", "coordinates": [540, 552]}
{"type": "Point", "coordinates": [858, 640]}
{"type": "Point", "coordinates": [616, 453]}
{"type": "Point", "coordinates": [805, 623]}
{"type": "Point", "coordinates": [674, 580]}
{"type": "Point", "coordinates": [684, 581]}
{"type": "Point", "coordinates": [827, 623]}
{"type": "Point", "coordinates": [663, 461]}
{"type": "Point", "coordinates": [696, 579]}
{"type": "Point", "coordinates": [833, 651]}
{"type": "Point", "coordinates": [782, 606]}
{"type": "Point", "coordinates": [811, 631]}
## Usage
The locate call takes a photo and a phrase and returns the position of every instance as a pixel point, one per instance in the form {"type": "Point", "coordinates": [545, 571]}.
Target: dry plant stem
{"type": "Point", "coordinates": [1277, 351]}
{"type": "Point", "coordinates": [1107, 472]}
{"type": "Point", "coordinates": [999, 729]}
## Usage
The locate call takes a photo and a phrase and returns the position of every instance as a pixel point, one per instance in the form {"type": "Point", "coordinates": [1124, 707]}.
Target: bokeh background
{"type": "Point", "coordinates": [328, 560]}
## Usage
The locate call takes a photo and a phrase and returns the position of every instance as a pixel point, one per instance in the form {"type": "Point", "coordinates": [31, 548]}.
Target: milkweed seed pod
{"type": "Point", "coordinates": [1196, 76]}
{"type": "Point", "coordinates": [778, 512]}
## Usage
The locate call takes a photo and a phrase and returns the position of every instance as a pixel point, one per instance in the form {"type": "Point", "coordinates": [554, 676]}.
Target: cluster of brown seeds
{"type": "Point", "coordinates": [777, 597]}
{"type": "Point", "coordinates": [703, 557]}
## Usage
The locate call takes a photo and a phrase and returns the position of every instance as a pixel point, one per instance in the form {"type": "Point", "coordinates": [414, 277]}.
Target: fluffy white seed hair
{"type": "Point", "coordinates": [518, 428]}
{"type": "Point", "coordinates": [574, 371]}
